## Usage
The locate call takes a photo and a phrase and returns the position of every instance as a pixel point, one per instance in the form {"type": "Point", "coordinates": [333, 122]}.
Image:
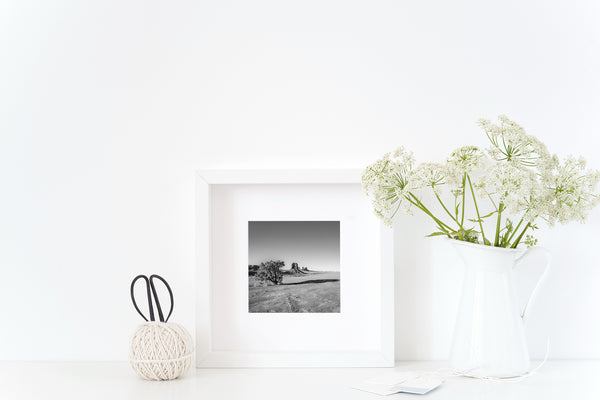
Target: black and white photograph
{"type": "Point", "coordinates": [319, 199]}
{"type": "Point", "coordinates": [294, 266]}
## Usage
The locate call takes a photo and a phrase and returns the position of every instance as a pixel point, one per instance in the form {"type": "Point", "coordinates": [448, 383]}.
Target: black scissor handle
{"type": "Point", "coordinates": [150, 309]}
{"type": "Point", "coordinates": [157, 302]}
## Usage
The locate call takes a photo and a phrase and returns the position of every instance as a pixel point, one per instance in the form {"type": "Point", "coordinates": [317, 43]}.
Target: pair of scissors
{"type": "Point", "coordinates": [151, 292]}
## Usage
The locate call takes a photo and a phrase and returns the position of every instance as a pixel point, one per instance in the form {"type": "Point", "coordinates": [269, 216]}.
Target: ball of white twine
{"type": "Point", "coordinates": [161, 350]}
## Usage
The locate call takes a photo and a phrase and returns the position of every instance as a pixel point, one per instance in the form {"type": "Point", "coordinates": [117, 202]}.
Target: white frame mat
{"type": "Point", "coordinates": [381, 355]}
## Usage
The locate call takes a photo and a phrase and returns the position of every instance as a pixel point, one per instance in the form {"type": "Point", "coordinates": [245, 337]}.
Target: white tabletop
{"type": "Point", "coordinates": [27, 380]}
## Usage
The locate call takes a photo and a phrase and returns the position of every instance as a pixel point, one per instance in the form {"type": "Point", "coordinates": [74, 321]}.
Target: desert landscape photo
{"type": "Point", "coordinates": [294, 266]}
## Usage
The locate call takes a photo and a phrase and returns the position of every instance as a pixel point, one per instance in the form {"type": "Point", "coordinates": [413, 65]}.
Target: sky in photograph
{"type": "Point", "coordinates": [311, 244]}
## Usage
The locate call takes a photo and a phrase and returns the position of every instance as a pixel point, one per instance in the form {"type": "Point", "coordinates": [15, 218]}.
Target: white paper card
{"type": "Point", "coordinates": [407, 382]}
{"type": "Point", "coordinates": [419, 385]}
{"type": "Point", "coordinates": [382, 390]}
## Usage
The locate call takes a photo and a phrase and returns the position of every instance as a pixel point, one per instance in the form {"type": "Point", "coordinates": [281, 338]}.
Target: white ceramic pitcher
{"type": "Point", "coordinates": [489, 339]}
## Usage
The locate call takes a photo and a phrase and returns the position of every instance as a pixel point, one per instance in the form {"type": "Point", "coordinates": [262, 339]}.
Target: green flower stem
{"type": "Point", "coordinates": [443, 227]}
{"type": "Point", "coordinates": [477, 210]}
{"type": "Point", "coordinates": [448, 212]}
{"type": "Point", "coordinates": [426, 210]}
{"type": "Point", "coordinates": [462, 218]}
{"type": "Point", "coordinates": [515, 231]}
{"type": "Point", "coordinates": [415, 200]}
{"type": "Point", "coordinates": [493, 202]}
{"type": "Point", "coordinates": [439, 224]}
{"type": "Point", "coordinates": [498, 221]}
{"type": "Point", "coordinates": [455, 208]}
{"type": "Point", "coordinates": [396, 211]}
{"type": "Point", "coordinates": [384, 166]}
{"type": "Point", "coordinates": [518, 239]}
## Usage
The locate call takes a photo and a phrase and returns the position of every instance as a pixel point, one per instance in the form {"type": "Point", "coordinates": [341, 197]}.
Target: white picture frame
{"type": "Point", "coordinates": [208, 355]}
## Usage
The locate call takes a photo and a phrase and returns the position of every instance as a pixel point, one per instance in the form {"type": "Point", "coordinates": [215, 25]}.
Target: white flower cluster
{"type": "Point", "coordinates": [431, 175]}
{"type": "Point", "coordinates": [569, 191]}
{"type": "Point", "coordinates": [516, 173]}
{"type": "Point", "coordinates": [510, 143]}
{"type": "Point", "coordinates": [463, 160]}
{"type": "Point", "coordinates": [516, 187]}
{"type": "Point", "coordinates": [529, 181]}
{"type": "Point", "coordinates": [388, 181]}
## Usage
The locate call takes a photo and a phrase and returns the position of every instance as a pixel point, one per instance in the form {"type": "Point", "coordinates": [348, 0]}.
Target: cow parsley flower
{"type": "Point", "coordinates": [514, 179]}
{"type": "Point", "coordinates": [431, 175]}
{"type": "Point", "coordinates": [462, 161]}
{"type": "Point", "coordinates": [515, 187]}
{"type": "Point", "coordinates": [510, 143]}
{"type": "Point", "coordinates": [570, 191]}
{"type": "Point", "coordinates": [388, 181]}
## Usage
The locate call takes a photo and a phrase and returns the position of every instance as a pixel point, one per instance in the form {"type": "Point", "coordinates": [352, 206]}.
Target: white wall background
{"type": "Point", "coordinates": [108, 107]}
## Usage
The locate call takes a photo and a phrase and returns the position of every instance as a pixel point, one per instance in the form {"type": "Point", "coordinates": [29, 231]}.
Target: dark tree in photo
{"type": "Point", "coordinates": [270, 271]}
{"type": "Point", "coordinates": [253, 269]}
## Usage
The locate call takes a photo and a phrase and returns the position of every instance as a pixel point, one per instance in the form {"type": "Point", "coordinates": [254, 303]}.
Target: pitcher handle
{"type": "Point", "coordinates": [530, 251]}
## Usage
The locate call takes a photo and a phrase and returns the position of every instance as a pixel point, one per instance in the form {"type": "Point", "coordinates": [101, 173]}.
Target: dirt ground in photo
{"type": "Point", "coordinates": [313, 292]}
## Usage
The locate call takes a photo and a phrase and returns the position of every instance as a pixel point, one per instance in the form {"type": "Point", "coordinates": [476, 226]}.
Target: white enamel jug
{"type": "Point", "coordinates": [489, 339]}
